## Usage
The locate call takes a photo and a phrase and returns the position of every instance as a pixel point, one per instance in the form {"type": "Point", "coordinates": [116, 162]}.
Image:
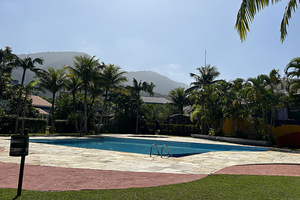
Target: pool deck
{"type": "Point", "coordinates": [52, 167]}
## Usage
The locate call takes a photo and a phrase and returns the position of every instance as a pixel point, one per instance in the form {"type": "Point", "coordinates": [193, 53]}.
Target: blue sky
{"type": "Point", "coordinates": [165, 36]}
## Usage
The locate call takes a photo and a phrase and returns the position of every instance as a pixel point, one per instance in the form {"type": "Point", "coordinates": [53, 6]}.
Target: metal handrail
{"type": "Point", "coordinates": [162, 150]}
{"type": "Point", "coordinates": [156, 149]}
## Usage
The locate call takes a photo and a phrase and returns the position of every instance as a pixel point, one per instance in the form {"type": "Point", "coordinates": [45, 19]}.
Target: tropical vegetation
{"type": "Point", "coordinates": [249, 8]}
{"type": "Point", "coordinates": [90, 97]}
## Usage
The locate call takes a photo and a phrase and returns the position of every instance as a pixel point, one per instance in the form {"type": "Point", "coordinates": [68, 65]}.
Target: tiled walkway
{"type": "Point", "coordinates": [50, 167]}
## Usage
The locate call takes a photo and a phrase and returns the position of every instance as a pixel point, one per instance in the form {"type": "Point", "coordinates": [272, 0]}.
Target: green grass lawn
{"type": "Point", "coordinates": [211, 187]}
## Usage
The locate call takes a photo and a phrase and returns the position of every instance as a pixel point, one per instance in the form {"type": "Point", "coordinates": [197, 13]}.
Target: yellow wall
{"type": "Point", "coordinates": [284, 129]}
{"type": "Point", "coordinates": [228, 126]}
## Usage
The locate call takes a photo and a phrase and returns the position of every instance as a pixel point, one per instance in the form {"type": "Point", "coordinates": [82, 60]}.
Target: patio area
{"type": "Point", "coordinates": [52, 167]}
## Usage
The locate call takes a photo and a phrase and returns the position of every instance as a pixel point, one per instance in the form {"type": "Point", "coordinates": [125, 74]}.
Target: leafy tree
{"type": "Point", "coordinates": [111, 79]}
{"type": "Point", "coordinates": [135, 91]}
{"type": "Point", "coordinates": [207, 76]}
{"type": "Point", "coordinates": [26, 64]}
{"type": "Point", "coordinates": [292, 71]}
{"type": "Point", "coordinates": [86, 68]}
{"type": "Point", "coordinates": [26, 90]}
{"type": "Point", "coordinates": [73, 84]}
{"type": "Point", "coordinates": [6, 56]}
{"type": "Point", "coordinates": [179, 98]}
{"type": "Point", "coordinates": [248, 10]}
{"type": "Point", "coordinates": [53, 81]}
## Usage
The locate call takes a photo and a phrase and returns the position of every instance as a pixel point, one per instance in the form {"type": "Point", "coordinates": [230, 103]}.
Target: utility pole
{"type": "Point", "coordinates": [205, 59]}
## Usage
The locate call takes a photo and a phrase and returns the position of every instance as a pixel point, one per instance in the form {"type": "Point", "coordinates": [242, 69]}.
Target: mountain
{"type": "Point", "coordinates": [163, 84]}
{"type": "Point", "coordinates": [58, 59]}
{"type": "Point", "coordinates": [51, 59]}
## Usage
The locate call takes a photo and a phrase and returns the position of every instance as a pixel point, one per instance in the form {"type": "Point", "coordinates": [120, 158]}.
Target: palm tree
{"type": "Point", "coordinates": [179, 98]}
{"type": "Point", "coordinates": [73, 84]}
{"type": "Point", "coordinates": [206, 77]}
{"type": "Point", "coordinates": [86, 68]}
{"type": "Point", "coordinates": [136, 89]}
{"type": "Point", "coordinates": [53, 81]}
{"type": "Point", "coordinates": [26, 90]}
{"type": "Point", "coordinates": [248, 10]}
{"type": "Point", "coordinates": [260, 96]}
{"type": "Point", "coordinates": [26, 63]}
{"type": "Point", "coordinates": [292, 71]}
{"type": "Point", "coordinates": [112, 80]}
{"type": "Point", "coordinates": [6, 56]}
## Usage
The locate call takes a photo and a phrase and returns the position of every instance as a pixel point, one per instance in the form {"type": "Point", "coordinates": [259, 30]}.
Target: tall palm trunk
{"type": "Point", "coordinates": [19, 105]}
{"type": "Point", "coordinates": [85, 109]}
{"type": "Point", "coordinates": [103, 109]}
{"type": "Point", "coordinates": [23, 120]}
{"type": "Point", "coordinates": [52, 113]}
{"type": "Point", "coordinates": [90, 109]}
{"type": "Point", "coordinates": [74, 111]}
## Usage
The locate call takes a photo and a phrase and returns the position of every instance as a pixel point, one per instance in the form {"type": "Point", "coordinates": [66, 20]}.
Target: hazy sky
{"type": "Point", "coordinates": [166, 36]}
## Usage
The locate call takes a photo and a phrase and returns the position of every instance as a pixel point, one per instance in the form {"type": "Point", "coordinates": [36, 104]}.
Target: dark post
{"type": "Point", "coordinates": [22, 169]}
{"type": "Point", "coordinates": [19, 145]}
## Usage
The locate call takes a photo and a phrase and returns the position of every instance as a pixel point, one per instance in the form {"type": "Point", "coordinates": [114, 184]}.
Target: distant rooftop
{"type": "Point", "coordinates": [39, 102]}
{"type": "Point", "coordinates": [155, 100]}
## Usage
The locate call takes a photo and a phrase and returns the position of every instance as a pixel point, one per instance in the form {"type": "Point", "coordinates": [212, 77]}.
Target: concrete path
{"type": "Point", "coordinates": [51, 167]}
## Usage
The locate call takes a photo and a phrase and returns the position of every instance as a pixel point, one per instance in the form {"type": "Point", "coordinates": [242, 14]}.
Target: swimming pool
{"type": "Point", "coordinates": [142, 146]}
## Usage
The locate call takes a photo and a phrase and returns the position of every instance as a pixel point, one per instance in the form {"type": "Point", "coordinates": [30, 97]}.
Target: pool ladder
{"type": "Point", "coordinates": [161, 150]}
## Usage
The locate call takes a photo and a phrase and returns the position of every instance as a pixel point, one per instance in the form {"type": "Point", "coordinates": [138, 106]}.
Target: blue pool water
{"type": "Point", "coordinates": [143, 146]}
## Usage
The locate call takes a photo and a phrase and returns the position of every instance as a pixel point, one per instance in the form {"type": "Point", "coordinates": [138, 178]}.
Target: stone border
{"type": "Point", "coordinates": [232, 140]}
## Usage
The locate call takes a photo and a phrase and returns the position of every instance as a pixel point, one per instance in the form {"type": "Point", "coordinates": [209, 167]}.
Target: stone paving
{"type": "Point", "coordinates": [206, 163]}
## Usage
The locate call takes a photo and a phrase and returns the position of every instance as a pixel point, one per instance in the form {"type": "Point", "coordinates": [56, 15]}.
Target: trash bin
{"type": "Point", "coordinates": [19, 145]}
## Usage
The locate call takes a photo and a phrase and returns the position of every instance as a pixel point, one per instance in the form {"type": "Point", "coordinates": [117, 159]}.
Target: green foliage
{"type": "Point", "coordinates": [64, 126]}
{"type": "Point", "coordinates": [35, 125]}
{"type": "Point", "coordinates": [174, 129]}
{"type": "Point", "coordinates": [6, 66]}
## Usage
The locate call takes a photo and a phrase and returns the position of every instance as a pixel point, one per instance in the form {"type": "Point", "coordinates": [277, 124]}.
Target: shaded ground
{"type": "Point", "coordinates": [44, 178]}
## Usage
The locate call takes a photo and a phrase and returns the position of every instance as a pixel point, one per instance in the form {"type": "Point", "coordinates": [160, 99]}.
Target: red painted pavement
{"type": "Point", "coordinates": [43, 178]}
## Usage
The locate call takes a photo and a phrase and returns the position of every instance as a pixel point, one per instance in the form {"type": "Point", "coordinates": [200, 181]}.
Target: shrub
{"type": "Point", "coordinates": [35, 125]}
{"type": "Point", "coordinates": [64, 126]}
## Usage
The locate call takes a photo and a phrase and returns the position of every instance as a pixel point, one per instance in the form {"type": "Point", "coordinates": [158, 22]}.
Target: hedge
{"type": "Point", "coordinates": [64, 126]}
{"type": "Point", "coordinates": [174, 129]}
{"type": "Point", "coordinates": [35, 125]}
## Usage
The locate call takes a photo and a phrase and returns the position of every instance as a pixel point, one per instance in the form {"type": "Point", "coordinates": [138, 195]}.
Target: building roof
{"type": "Point", "coordinates": [155, 100]}
{"type": "Point", "coordinates": [42, 112]}
{"type": "Point", "coordinates": [39, 102]}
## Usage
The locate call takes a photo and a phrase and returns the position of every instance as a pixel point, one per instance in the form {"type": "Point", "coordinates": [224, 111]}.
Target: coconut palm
{"type": "Point", "coordinates": [206, 77]}
{"type": "Point", "coordinates": [136, 90]}
{"type": "Point", "coordinates": [26, 91]}
{"type": "Point", "coordinates": [248, 10]}
{"type": "Point", "coordinates": [260, 96]}
{"type": "Point", "coordinates": [26, 64]}
{"type": "Point", "coordinates": [53, 81]}
{"type": "Point", "coordinates": [179, 99]}
{"type": "Point", "coordinates": [86, 68]}
{"type": "Point", "coordinates": [73, 84]}
{"type": "Point", "coordinates": [111, 79]}
{"type": "Point", "coordinates": [292, 71]}
{"type": "Point", "coordinates": [6, 56]}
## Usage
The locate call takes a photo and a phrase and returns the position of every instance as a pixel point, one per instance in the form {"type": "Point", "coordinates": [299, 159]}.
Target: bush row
{"type": "Point", "coordinates": [164, 129]}
{"type": "Point", "coordinates": [35, 125]}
